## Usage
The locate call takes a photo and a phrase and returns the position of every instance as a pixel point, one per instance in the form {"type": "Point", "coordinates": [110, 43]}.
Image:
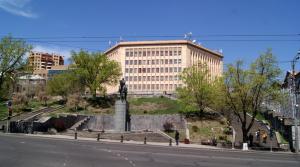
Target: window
{"type": "Point", "coordinates": [157, 70]}
{"type": "Point", "coordinates": [131, 62]}
{"type": "Point", "coordinates": [157, 61]}
{"type": "Point", "coordinates": [148, 86]}
{"type": "Point", "coordinates": [161, 53]}
{"type": "Point", "coordinates": [139, 87]}
{"type": "Point", "coordinates": [127, 54]}
{"type": "Point", "coordinates": [179, 52]}
{"type": "Point", "coordinates": [179, 61]}
{"type": "Point", "coordinates": [166, 53]}
{"type": "Point", "coordinates": [130, 70]}
{"type": "Point", "coordinates": [130, 78]}
{"type": "Point", "coordinates": [140, 62]}
{"type": "Point", "coordinates": [148, 70]}
{"type": "Point", "coordinates": [143, 70]}
{"type": "Point", "coordinates": [161, 69]}
{"type": "Point", "coordinates": [175, 61]}
{"type": "Point", "coordinates": [144, 78]}
{"type": "Point", "coordinates": [153, 70]}
{"type": "Point", "coordinates": [140, 70]}
{"type": "Point", "coordinates": [135, 70]}
{"type": "Point", "coordinates": [135, 53]}
{"type": "Point", "coordinates": [135, 78]}
{"type": "Point", "coordinates": [170, 52]}
{"type": "Point", "coordinates": [135, 62]}
{"type": "Point", "coordinates": [148, 78]}
{"type": "Point", "coordinates": [179, 69]}
{"type": "Point", "coordinates": [175, 53]}
{"type": "Point", "coordinates": [131, 54]}
{"type": "Point", "coordinates": [152, 86]}
{"type": "Point", "coordinates": [166, 78]}
{"type": "Point", "coordinates": [161, 78]}
{"type": "Point", "coordinates": [171, 78]}
{"type": "Point", "coordinates": [153, 61]}
{"type": "Point", "coordinates": [161, 87]}
{"type": "Point", "coordinates": [166, 69]}
{"type": "Point", "coordinates": [144, 53]}
{"type": "Point", "coordinates": [171, 69]}
{"type": "Point", "coordinates": [157, 86]}
{"type": "Point", "coordinates": [157, 78]}
{"type": "Point", "coordinates": [153, 78]}
{"type": "Point", "coordinates": [126, 70]}
{"type": "Point", "coordinates": [140, 53]}
{"type": "Point", "coordinates": [126, 62]}
{"type": "Point", "coordinates": [162, 61]}
{"type": "Point", "coordinates": [139, 78]}
{"type": "Point", "coordinates": [166, 61]}
{"type": "Point", "coordinates": [134, 86]}
{"type": "Point", "coordinates": [171, 61]}
{"type": "Point", "coordinates": [148, 62]}
{"type": "Point", "coordinates": [157, 53]}
{"type": "Point", "coordinates": [175, 69]}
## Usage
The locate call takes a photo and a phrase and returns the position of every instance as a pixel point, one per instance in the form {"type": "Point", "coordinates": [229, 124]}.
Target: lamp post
{"type": "Point", "coordinates": [294, 101]}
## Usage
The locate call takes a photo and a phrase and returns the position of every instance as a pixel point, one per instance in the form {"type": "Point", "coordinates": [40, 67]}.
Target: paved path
{"type": "Point", "coordinates": [27, 151]}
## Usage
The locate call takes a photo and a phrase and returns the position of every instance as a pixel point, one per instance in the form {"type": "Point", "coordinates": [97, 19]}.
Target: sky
{"type": "Point", "coordinates": [242, 29]}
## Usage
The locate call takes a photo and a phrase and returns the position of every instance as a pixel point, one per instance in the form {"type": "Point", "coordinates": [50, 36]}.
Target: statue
{"type": "Point", "coordinates": [123, 90]}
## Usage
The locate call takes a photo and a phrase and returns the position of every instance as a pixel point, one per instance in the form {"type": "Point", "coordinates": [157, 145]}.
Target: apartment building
{"type": "Point", "coordinates": [153, 67]}
{"type": "Point", "coordinates": [40, 60]}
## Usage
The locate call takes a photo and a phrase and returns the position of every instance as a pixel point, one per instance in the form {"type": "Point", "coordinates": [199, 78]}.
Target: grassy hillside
{"type": "Point", "coordinates": [154, 105]}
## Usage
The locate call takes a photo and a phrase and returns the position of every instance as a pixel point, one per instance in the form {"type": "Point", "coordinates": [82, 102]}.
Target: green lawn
{"type": "Point", "coordinates": [154, 105]}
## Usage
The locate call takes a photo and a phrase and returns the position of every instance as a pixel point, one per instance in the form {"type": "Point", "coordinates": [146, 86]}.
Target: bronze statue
{"type": "Point", "coordinates": [123, 90]}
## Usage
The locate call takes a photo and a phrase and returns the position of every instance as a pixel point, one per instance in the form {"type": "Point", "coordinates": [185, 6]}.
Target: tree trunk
{"type": "Point", "coordinates": [245, 134]}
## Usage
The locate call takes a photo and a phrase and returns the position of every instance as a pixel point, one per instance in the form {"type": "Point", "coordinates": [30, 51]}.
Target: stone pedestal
{"type": "Point", "coordinates": [120, 115]}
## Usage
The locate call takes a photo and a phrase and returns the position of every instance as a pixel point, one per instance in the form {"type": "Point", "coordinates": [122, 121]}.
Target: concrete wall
{"type": "Point", "coordinates": [138, 122]}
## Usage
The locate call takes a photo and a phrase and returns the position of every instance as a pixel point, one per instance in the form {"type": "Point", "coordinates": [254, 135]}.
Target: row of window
{"type": "Point", "coordinates": [163, 87]}
{"type": "Point", "coordinates": [153, 62]}
{"type": "Point", "coordinates": [173, 51]}
{"type": "Point", "coordinates": [153, 78]}
{"type": "Point", "coordinates": [153, 70]}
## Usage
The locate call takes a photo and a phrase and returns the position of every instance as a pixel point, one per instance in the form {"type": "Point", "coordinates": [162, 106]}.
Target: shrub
{"type": "Point", "coordinates": [195, 128]}
{"type": "Point", "coordinates": [168, 127]}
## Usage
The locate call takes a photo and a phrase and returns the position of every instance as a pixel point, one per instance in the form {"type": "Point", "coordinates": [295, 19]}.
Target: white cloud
{"type": "Point", "coordinates": [66, 53]}
{"type": "Point", "coordinates": [18, 7]}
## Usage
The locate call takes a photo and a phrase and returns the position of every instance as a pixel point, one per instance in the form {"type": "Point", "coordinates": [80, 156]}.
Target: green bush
{"type": "Point", "coordinates": [195, 128]}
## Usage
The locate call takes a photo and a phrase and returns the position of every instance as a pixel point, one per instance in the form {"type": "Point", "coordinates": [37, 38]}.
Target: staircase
{"type": "Point", "coordinates": [257, 144]}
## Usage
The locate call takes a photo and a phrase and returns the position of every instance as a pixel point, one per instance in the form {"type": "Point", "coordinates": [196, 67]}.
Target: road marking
{"type": "Point", "coordinates": [22, 142]}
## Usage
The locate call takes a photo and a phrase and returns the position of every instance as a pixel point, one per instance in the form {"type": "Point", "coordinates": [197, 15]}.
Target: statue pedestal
{"type": "Point", "coordinates": [120, 115]}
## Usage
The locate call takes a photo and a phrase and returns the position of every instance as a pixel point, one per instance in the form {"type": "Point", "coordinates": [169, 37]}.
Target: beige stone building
{"type": "Point", "coordinates": [153, 67]}
{"type": "Point", "coordinates": [40, 60]}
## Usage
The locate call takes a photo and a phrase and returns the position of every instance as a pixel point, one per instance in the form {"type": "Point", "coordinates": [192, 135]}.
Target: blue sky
{"type": "Point", "coordinates": [78, 18]}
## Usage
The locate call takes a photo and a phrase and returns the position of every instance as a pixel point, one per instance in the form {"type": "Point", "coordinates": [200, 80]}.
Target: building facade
{"type": "Point", "coordinates": [153, 67]}
{"type": "Point", "coordinates": [40, 60]}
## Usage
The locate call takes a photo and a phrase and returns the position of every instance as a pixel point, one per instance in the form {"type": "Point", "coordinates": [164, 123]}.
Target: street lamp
{"type": "Point", "coordinates": [294, 101]}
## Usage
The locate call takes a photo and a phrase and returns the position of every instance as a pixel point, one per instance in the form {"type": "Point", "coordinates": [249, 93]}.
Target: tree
{"type": "Point", "coordinates": [64, 84]}
{"type": "Point", "coordinates": [95, 70]}
{"type": "Point", "coordinates": [246, 89]}
{"type": "Point", "coordinates": [198, 90]}
{"type": "Point", "coordinates": [12, 52]}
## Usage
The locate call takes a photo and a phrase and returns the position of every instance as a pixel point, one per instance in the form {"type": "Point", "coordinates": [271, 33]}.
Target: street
{"type": "Point", "coordinates": [25, 151]}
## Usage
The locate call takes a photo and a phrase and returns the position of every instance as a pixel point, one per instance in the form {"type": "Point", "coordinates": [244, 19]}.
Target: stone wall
{"type": "Point", "coordinates": [138, 122]}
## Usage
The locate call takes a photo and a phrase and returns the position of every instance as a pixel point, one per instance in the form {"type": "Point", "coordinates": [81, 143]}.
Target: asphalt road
{"type": "Point", "coordinates": [24, 151]}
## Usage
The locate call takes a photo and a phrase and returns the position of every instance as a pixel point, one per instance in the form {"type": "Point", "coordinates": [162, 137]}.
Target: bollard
{"type": "Point", "coordinates": [145, 140]}
{"type": "Point", "coordinates": [122, 138]}
{"type": "Point", "coordinates": [98, 137]}
{"type": "Point", "coordinates": [170, 142]}
{"type": "Point", "coordinates": [75, 137]}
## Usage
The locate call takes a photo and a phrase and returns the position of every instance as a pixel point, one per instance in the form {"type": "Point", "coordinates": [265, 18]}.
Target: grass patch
{"type": "Point", "coordinates": [206, 130]}
{"type": "Point", "coordinates": [3, 110]}
{"type": "Point", "coordinates": [154, 105]}
{"type": "Point", "coordinates": [282, 139]}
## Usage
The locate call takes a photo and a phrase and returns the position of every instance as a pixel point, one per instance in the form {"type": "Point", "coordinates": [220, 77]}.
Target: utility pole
{"type": "Point", "coordinates": [294, 102]}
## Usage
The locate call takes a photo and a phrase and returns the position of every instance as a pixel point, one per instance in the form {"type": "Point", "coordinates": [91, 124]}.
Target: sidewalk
{"type": "Point", "coordinates": [125, 141]}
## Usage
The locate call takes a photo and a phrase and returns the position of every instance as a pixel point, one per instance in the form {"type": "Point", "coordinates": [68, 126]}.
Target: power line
{"type": "Point", "coordinates": [160, 36]}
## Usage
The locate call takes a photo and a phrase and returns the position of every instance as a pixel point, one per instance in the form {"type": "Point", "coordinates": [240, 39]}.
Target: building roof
{"type": "Point", "coordinates": [162, 42]}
